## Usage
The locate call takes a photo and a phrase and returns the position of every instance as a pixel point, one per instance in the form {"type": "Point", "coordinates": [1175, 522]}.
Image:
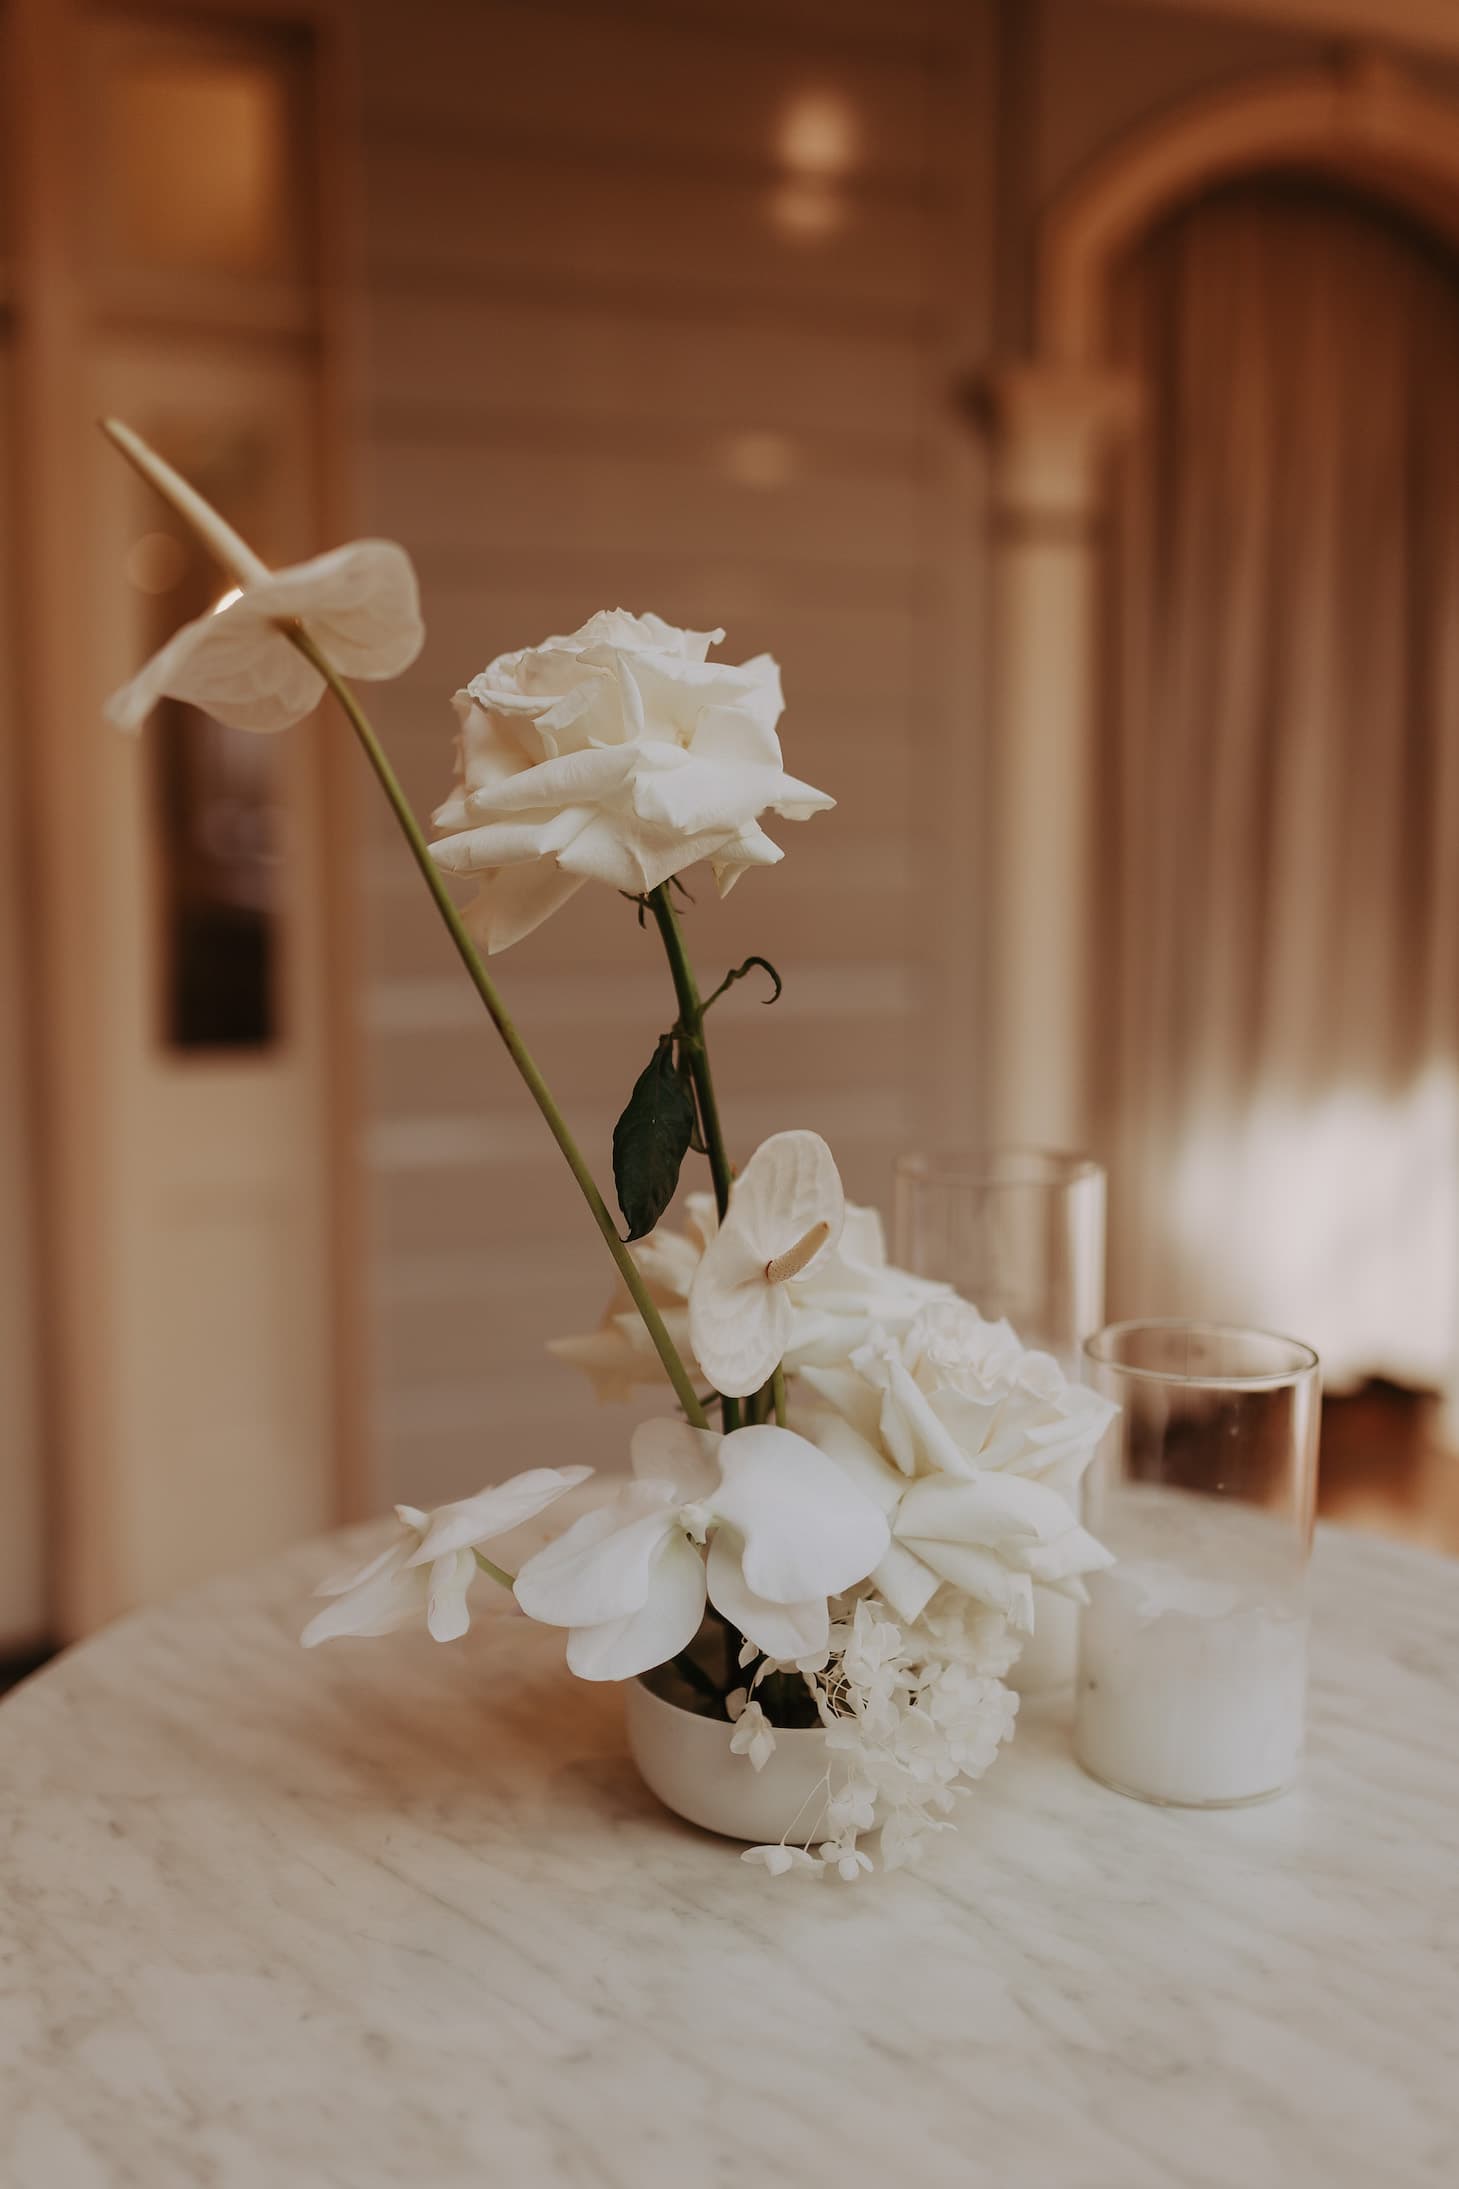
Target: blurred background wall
{"type": "Point", "coordinates": [1059, 389]}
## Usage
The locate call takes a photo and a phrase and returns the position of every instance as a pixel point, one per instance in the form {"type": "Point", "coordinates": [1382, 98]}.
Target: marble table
{"type": "Point", "coordinates": [387, 1913]}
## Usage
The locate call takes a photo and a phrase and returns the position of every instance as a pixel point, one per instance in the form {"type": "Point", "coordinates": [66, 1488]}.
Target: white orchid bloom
{"type": "Point", "coordinates": [431, 1565]}
{"type": "Point", "coordinates": [847, 1292]}
{"type": "Point", "coordinates": [758, 1523]}
{"type": "Point", "coordinates": [618, 754]}
{"type": "Point", "coordinates": [787, 1208]}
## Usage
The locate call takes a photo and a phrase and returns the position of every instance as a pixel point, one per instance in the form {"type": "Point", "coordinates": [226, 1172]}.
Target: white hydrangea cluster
{"type": "Point", "coordinates": [914, 1711]}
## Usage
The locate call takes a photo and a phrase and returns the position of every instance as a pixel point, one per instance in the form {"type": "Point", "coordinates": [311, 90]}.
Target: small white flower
{"type": "Point", "coordinates": [784, 1530]}
{"type": "Point", "coordinates": [753, 1736]}
{"type": "Point", "coordinates": [617, 754]}
{"type": "Point", "coordinates": [430, 1566]}
{"type": "Point", "coordinates": [849, 1862]}
{"type": "Point", "coordinates": [779, 1859]}
{"type": "Point", "coordinates": [786, 1208]}
{"type": "Point", "coordinates": [358, 604]}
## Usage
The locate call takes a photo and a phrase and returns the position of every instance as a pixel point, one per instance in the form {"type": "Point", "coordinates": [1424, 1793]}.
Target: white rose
{"type": "Point", "coordinates": [619, 755]}
{"type": "Point", "coordinates": [973, 1448]}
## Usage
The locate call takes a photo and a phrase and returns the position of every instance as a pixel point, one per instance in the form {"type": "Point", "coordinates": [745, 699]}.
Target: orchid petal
{"type": "Point", "coordinates": [390, 1599]}
{"type": "Point", "coordinates": [602, 1567]}
{"type": "Point", "coordinates": [785, 1631]}
{"type": "Point", "coordinates": [806, 1530]}
{"type": "Point", "coordinates": [495, 1510]}
{"type": "Point", "coordinates": [449, 1579]}
{"type": "Point", "coordinates": [669, 1450]}
{"type": "Point", "coordinates": [666, 1622]}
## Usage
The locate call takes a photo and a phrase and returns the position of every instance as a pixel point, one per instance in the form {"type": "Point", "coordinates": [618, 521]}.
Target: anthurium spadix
{"type": "Point", "coordinates": [359, 604]}
{"type": "Point", "coordinates": [758, 1523]}
{"type": "Point", "coordinates": [786, 1210]}
{"type": "Point", "coordinates": [428, 1569]}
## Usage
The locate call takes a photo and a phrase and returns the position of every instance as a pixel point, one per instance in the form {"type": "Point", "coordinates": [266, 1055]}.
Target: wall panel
{"type": "Point", "coordinates": [627, 342]}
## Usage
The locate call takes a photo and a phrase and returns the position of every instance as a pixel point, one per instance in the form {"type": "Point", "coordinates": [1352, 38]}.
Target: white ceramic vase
{"type": "Point", "coordinates": [686, 1760]}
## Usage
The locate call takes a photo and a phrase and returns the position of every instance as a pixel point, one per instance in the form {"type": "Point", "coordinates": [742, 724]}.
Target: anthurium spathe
{"type": "Point", "coordinates": [758, 1523]}
{"type": "Point", "coordinates": [616, 754]}
{"type": "Point", "coordinates": [359, 602]}
{"type": "Point", "coordinates": [836, 1302]}
{"type": "Point", "coordinates": [428, 1569]}
{"type": "Point", "coordinates": [786, 1210]}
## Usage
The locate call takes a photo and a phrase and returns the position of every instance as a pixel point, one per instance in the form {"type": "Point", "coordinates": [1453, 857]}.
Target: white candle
{"type": "Point", "coordinates": [1193, 1653]}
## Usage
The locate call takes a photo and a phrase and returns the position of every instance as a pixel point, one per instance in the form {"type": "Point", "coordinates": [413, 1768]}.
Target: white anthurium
{"type": "Point", "coordinates": [787, 1209]}
{"type": "Point", "coordinates": [617, 754]}
{"type": "Point", "coordinates": [360, 604]}
{"type": "Point", "coordinates": [758, 1523]}
{"type": "Point", "coordinates": [429, 1568]}
{"type": "Point", "coordinates": [848, 1291]}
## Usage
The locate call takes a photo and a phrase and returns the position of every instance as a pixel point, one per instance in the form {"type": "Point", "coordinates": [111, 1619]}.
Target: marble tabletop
{"type": "Point", "coordinates": [388, 1913]}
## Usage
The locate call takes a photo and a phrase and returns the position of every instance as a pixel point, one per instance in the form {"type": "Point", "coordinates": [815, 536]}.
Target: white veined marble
{"type": "Point", "coordinates": [387, 1913]}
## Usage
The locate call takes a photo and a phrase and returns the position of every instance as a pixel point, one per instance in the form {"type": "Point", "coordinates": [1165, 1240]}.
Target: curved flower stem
{"type": "Point", "coordinates": [498, 1573]}
{"type": "Point", "coordinates": [516, 1048]}
{"type": "Point", "coordinates": [695, 1049]}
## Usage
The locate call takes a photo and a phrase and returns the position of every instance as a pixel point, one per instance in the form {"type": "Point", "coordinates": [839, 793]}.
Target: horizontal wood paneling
{"type": "Point", "coordinates": [675, 92]}
{"type": "Point", "coordinates": [539, 498]}
{"type": "Point", "coordinates": [580, 361]}
{"type": "Point", "coordinates": [554, 221]}
{"type": "Point", "coordinates": [602, 366]}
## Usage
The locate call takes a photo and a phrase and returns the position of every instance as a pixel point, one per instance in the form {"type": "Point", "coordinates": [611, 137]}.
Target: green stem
{"type": "Point", "coordinates": [694, 1047]}
{"type": "Point", "coordinates": [516, 1048]}
{"type": "Point", "coordinates": [497, 1573]}
{"type": "Point", "coordinates": [777, 1394]}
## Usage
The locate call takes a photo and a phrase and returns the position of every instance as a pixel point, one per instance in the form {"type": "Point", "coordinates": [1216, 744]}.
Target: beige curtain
{"type": "Point", "coordinates": [1280, 787]}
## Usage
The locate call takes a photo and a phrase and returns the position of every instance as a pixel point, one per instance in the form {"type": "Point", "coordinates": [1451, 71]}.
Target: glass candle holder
{"type": "Point", "coordinates": [1193, 1647]}
{"type": "Point", "coordinates": [1020, 1233]}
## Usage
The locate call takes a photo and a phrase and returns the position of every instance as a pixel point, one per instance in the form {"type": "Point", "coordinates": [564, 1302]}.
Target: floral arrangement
{"type": "Point", "coordinates": [842, 1525]}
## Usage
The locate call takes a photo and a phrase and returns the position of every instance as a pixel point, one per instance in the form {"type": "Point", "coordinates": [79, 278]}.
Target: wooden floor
{"type": "Point", "coordinates": [1387, 1468]}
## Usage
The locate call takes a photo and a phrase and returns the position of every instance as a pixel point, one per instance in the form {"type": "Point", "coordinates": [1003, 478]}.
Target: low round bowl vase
{"type": "Point", "coordinates": [686, 1760]}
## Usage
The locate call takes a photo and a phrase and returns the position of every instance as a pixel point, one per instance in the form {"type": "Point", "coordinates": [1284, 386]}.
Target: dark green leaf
{"type": "Point", "coordinates": [651, 1139]}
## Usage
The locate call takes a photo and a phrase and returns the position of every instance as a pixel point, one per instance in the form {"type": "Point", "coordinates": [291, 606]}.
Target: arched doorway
{"type": "Point", "coordinates": [1364, 129]}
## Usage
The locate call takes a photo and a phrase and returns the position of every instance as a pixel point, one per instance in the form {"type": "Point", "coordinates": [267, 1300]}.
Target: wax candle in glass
{"type": "Point", "coordinates": [1020, 1233]}
{"type": "Point", "coordinates": [1193, 1647]}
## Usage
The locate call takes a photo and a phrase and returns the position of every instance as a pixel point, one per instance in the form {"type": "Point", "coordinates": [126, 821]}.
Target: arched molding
{"type": "Point", "coordinates": [1364, 122]}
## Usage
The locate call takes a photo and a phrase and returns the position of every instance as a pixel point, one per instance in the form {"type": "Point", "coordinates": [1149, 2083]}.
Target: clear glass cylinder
{"type": "Point", "coordinates": [1193, 1647]}
{"type": "Point", "coordinates": [1020, 1233]}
